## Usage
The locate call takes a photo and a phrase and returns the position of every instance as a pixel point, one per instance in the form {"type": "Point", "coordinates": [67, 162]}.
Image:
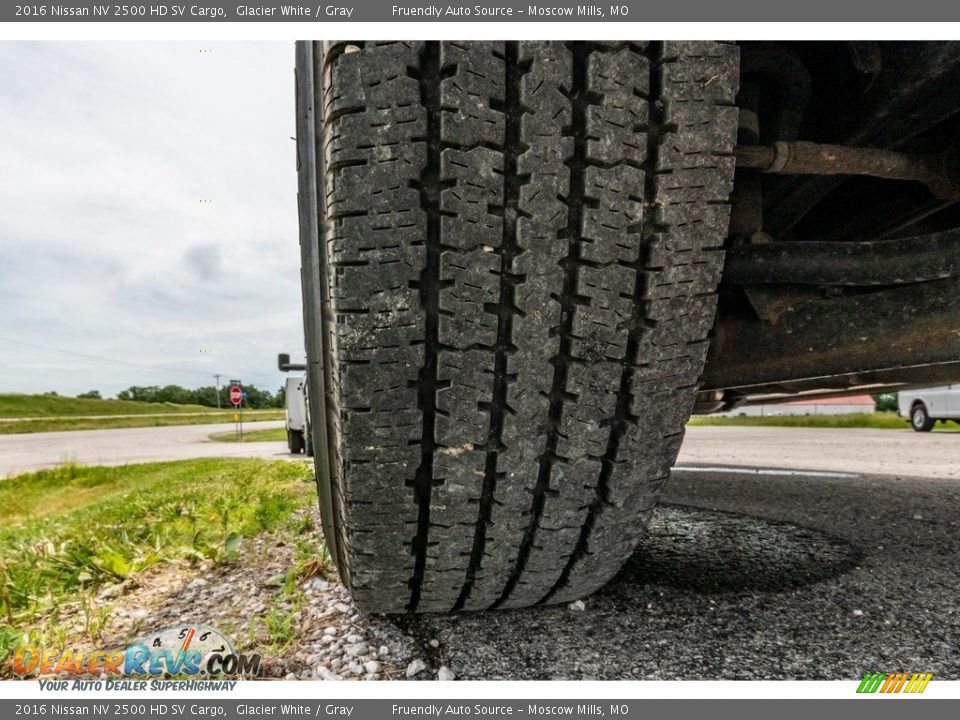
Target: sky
{"type": "Point", "coordinates": [148, 215]}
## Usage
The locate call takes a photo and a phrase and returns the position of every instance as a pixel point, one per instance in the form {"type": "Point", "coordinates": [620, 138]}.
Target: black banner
{"type": "Point", "coordinates": [485, 11]}
{"type": "Point", "coordinates": [206, 708]}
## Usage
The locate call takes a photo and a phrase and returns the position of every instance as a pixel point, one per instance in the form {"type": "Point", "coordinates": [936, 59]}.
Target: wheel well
{"type": "Point", "coordinates": [888, 97]}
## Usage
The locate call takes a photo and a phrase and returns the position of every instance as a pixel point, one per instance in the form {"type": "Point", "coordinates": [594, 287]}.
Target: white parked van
{"type": "Point", "coordinates": [927, 405]}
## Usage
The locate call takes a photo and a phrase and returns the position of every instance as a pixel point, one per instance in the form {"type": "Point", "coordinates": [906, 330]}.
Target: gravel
{"type": "Point", "coordinates": [330, 640]}
{"type": "Point", "coordinates": [416, 667]}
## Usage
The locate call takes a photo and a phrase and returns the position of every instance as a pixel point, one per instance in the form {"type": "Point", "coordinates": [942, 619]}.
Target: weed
{"type": "Point", "coordinates": [95, 617]}
{"type": "Point", "coordinates": [279, 625]}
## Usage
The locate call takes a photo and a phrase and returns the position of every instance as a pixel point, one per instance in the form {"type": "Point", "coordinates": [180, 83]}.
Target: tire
{"type": "Point", "coordinates": [308, 441]}
{"type": "Point", "coordinates": [520, 245]}
{"type": "Point", "coordinates": [295, 442]}
{"type": "Point", "coordinates": [920, 419]}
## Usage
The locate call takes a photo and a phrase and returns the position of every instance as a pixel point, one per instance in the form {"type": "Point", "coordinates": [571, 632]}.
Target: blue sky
{"type": "Point", "coordinates": [148, 214]}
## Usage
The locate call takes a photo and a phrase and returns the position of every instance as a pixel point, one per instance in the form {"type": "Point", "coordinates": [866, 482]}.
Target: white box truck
{"type": "Point", "coordinates": [297, 419]}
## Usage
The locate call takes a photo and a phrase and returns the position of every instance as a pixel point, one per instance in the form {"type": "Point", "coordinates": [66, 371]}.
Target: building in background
{"type": "Point", "coordinates": [810, 406]}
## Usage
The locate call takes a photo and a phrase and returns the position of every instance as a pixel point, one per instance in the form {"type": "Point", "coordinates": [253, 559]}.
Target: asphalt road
{"type": "Point", "coordinates": [745, 576]}
{"type": "Point", "coordinates": [877, 452]}
{"type": "Point", "coordinates": [35, 451]}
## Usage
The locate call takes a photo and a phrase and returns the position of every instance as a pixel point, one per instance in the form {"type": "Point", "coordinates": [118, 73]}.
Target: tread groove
{"type": "Point", "coordinates": [429, 288]}
{"type": "Point", "coordinates": [505, 308]}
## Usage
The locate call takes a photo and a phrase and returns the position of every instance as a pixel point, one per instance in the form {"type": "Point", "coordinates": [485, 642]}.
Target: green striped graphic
{"type": "Point", "coordinates": [871, 682]}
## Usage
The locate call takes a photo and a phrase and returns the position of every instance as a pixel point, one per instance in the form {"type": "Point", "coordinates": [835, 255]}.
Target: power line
{"type": "Point", "coordinates": [98, 358]}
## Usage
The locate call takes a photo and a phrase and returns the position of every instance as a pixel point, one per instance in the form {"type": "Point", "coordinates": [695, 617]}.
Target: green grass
{"type": "Point", "coordinates": [131, 421]}
{"type": "Point", "coordinates": [54, 405]}
{"type": "Point", "coordinates": [878, 421]}
{"type": "Point", "coordinates": [50, 413]}
{"type": "Point", "coordinates": [270, 435]}
{"type": "Point", "coordinates": [68, 531]}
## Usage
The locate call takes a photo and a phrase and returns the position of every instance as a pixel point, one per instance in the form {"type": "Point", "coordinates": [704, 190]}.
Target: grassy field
{"type": "Point", "coordinates": [879, 421]}
{"type": "Point", "coordinates": [131, 421]}
{"type": "Point", "coordinates": [48, 413]}
{"type": "Point", "coordinates": [21, 406]}
{"type": "Point", "coordinates": [271, 435]}
{"type": "Point", "coordinates": [66, 532]}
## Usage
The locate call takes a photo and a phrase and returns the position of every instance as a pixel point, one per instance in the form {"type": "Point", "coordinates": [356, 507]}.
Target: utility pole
{"type": "Point", "coordinates": [217, 376]}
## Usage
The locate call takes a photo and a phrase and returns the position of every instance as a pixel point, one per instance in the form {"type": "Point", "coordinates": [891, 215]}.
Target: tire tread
{"type": "Point", "coordinates": [524, 241]}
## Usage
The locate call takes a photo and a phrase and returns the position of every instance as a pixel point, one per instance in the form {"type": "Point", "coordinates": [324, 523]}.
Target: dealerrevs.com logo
{"type": "Point", "coordinates": [910, 683]}
{"type": "Point", "coordinates": [185, 650]}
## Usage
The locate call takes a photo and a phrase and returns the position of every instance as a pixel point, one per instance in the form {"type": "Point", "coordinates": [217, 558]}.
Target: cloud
{"type": "Point", "coordinates": [147, 211]}
{"type": "Point", "coordinates": [204, 262]}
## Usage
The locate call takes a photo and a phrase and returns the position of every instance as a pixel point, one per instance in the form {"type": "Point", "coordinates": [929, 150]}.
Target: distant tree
{"type": "Point", "coordinates": [90, 395]}
{"type": "Point", "coordinates": [139, 393]}
{"type": "Point", "coordinates": [257, 398]}
{"type": "Point", "coordinates": [52, 393]}
{"type": "Point", "coordinates": [206, 396]}
{"type": "Point", "coordinates": [886, 402]}
{"type": "Point", "coordinates": [175, 394]}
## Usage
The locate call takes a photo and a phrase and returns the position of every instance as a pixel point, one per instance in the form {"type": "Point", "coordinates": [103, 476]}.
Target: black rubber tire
{"type": "Point", "coordinates": [920, 419]}
{"type": "Point", "coordinates": [295, 442]}
{"type": "Point", "coordinates": [308, 441]}
{"type": "Point", "coordinates": [521, 244]}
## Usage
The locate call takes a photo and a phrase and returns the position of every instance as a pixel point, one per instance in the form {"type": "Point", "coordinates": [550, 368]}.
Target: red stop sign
{"type": "Point", "coordinates": [236, 395]}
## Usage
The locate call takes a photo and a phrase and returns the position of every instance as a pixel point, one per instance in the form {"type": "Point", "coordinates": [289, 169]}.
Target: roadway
{"type": "Point", "coordinates": [28, 452]}
{"type": "Point", "coordinates": [901, 453]}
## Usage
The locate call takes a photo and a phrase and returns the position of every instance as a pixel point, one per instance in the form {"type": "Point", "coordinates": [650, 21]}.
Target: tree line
{"type": "Point", "coordinates": [256, 399]}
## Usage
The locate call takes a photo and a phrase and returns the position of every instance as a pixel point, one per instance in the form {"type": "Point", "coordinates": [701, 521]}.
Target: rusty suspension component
{"type": "Point", "coordinates": [938, 172]}
{"type": "Point", "coordinates": [852, 264]}
{"type": "Point", "coordinates": [903, 327]}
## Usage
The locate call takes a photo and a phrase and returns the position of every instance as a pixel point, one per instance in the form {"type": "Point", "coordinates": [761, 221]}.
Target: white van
{"type": "Point", "coordinates": [927, 405]}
